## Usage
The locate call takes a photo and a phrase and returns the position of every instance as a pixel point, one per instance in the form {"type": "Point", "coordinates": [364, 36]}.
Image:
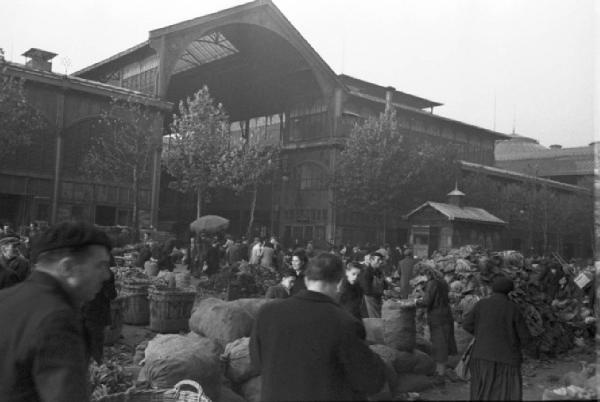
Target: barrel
{"type": "Point", "coordinates": [170, 309]}
{"type": "Point", "coordinates": [136, 307]}
{"type": "Point", "coordinates": [112, 332]}
{"type": "Point", "coordinates": [399, 326]}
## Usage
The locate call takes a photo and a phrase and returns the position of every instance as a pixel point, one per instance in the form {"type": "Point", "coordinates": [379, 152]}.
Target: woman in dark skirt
{"type": "Point", "coordinates": [439, 319]}
{"type": "Point", "coordinates": [500, 333]}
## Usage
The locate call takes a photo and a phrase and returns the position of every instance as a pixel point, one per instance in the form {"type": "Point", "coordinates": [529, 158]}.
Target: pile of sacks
{"type": "Point", "coordinates": [215, 353]}
{"type": "Point", "coordinates": [406, 354]}
{"type": "Point", "coordinates": [556, 325]}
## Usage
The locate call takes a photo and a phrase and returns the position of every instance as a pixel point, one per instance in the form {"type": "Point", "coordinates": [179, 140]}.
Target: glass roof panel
{"type": "Point", "coordinates": [211, 47]}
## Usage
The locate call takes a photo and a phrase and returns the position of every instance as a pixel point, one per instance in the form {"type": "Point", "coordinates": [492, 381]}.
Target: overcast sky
{"type": "Point", "coordinates": [503, 63]}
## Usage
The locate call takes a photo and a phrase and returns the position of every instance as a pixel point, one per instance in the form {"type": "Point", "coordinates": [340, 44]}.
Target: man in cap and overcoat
{"type": "Point", "coordinates": [43, 350]}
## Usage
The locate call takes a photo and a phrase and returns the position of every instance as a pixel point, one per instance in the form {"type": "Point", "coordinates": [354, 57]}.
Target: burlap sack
{"type": "Point", "coordinates": [227, 395]}
{"type": "Point", "coordinates": [413, 383]}
{"type": "Point", "coordinates": [424, 364]}
{"type": "Point", "coordinates": [423, 345]}
{"type": "Point", "coordinates": [405, 362]}
{"type": "Point", "coordinates": [236, 358]}
{"type": "Point", "coordinates": [251, 306]}
{"type": "Point", "coordinates": [251, 390]}
{"type": "Point", "coordinates": [374, 329]}
{"type": "Point", "coordinates": [221, 321]}
{"type": "Point", "coordinates": [172, 358]}
{"type": "Point", "coordinates": [399, 326]}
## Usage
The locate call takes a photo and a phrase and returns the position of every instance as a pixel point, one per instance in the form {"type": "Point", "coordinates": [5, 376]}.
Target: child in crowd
{"type": "Point", "coordinates": [282, 290]}
{"type": "Point", "coordinates": [351, 294]}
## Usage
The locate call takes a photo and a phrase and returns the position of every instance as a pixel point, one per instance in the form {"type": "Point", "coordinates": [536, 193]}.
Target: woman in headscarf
{"type": "Point", "coordinates": [500, 333]}
{"type": "Point", "coordinates": [299, 265]}
{"type": "Point", "coordinates": [439, 318]}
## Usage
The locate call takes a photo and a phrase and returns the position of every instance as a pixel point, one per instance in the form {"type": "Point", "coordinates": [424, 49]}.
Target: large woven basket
{"type": "Point", "coordinates": [175, 394]}
{"type": "Point", "coordinates": [136, 306]}
{"type": "Point", "coordinates": [170, 309]}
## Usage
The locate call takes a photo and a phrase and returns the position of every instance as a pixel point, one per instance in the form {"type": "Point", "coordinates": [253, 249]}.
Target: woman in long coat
{"type": "Point", "coordinates": [439, 319]}
{"type": "Point", "coordinates": [500, 333]}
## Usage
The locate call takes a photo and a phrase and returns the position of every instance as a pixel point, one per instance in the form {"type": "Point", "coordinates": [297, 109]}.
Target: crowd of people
{"type": "Point", "coordinates": [58, 309]}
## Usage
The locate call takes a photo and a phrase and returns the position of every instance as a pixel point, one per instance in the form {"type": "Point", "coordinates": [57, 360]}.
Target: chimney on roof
{"type": "Point", "coordinates": [455, 196]}
{"type": "Point", "coordinates": [555, 146]}
{"type": "Point", "coordinates": [389, 94]}
{"type": "Point", "coordinates": [39, 59]}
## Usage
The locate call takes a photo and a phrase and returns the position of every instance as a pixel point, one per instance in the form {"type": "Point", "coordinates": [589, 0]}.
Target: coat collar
{"type": "Point", "coordinates": [314, 296]}
{"type": "Point", "coordinates": [46, 280]}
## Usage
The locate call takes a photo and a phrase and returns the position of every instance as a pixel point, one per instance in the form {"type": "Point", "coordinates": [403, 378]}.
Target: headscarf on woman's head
{"type": "Point", "coordinates": [431, 272]}
{"type": "Point", "coordinates": [502, 284]}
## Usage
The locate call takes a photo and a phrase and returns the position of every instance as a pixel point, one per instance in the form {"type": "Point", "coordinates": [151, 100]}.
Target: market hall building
{"type": "Point", "coordinates": [44, 181]}
{"type": "Point", "coordinates": [269, 78]}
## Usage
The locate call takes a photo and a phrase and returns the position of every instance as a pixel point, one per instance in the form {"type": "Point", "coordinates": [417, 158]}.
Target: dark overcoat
{"type": "Point", "coordinates": [405, 271]}
{"type": "Point", "coordinates": [7, 277]}
{"type": "Point", "coordinates": [307, 348]}
{"type": "Point", "coordinates": [277, 292]}
{"type": "Point", "coordinates": [439, 319]}
{"type": "Point", "coordinates": [299, 284]}
{"type": "Point", "coordinates": [43, 349]}
{"type": "Point", "coordinates": [351, 298]}
{"type": "Point", "coordinates": [19, 265]}
{"type": "Point", "coordinates": [499, 328]}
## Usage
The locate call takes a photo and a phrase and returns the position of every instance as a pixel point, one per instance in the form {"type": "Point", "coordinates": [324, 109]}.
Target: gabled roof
{"type": "Point", "coordinates": [222, 14]}
{"type": "Point", "coordinates": [356, 85]}
{"type": "Point", "coordinates": [113, 58]}
{"type": "Point", "coordinates": [518, 176]}
{"type": "Point", "coordinates": [452, 212]}
{"type": "Point", "coordinates": [81, 84]}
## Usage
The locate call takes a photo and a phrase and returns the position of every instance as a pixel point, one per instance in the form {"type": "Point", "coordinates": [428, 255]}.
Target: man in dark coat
{"type": "Point", "coordinates": [282, 290]}
{"type": "Point", "coordinates": [41, 341]}
{"type": "Point", "coordinates": [7, 277]}
{"type": "Point", "coordinates": [213, 257]}
{"type": "Point", "coordinates": [11, 259]}
{"type": "Point", "coordinates": [307, 348]}
{"type": "Point", "coordinates": [96, 316]}
{"type": "Point", "coordinates": [373, 283]}
{"type": "Point", "coordinates": [351, 293]}
{"type": "Point", "coordinates": [500, 333]}
{"type": "Point", "coordinates": [405, 271]}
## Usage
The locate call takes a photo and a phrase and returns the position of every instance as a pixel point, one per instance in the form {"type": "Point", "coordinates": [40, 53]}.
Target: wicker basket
{"type": "Point", "coordinates": [160, 395]}
{"type": "Point", "coordinates": [170, 309]}
{"type": "Point", "coordinates": [136, 307]}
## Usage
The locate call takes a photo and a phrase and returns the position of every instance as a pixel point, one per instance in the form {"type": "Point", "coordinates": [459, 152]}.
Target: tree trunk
{"type": "Point", "coordinates": [384, 228]}
{"type": "Point", "coordinates": [252, 209]}
{"type": "Point", "coordinates": [198, 203]}
{"type": "Point", "coordinates": [135, 209]}
{"type": "Point", "coordinates": [545, 228]}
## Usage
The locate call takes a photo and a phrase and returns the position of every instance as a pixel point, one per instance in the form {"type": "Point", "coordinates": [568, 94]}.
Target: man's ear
{"type": "Point", "coordinates": [66, 266]}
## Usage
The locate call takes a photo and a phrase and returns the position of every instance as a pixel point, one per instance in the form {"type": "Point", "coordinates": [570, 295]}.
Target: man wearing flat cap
{"type": "Point", "coordinates": [11, 258]}
{"type": "Point", "coordinates": [373, 283]}
{"type": "Point", "coordinates": [41, 342]}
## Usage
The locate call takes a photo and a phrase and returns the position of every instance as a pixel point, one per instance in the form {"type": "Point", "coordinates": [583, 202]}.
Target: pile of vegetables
{"type": "Point", "coordinates": [111, 376]}
{"type": "Point", "coordinates": [241, 280]}
{"type": "Point", "coordinates": [557, 325]}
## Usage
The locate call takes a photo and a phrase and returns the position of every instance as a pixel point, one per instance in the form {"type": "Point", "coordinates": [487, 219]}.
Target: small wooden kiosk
{"type": "Point", "coordinates": [437, 226]}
